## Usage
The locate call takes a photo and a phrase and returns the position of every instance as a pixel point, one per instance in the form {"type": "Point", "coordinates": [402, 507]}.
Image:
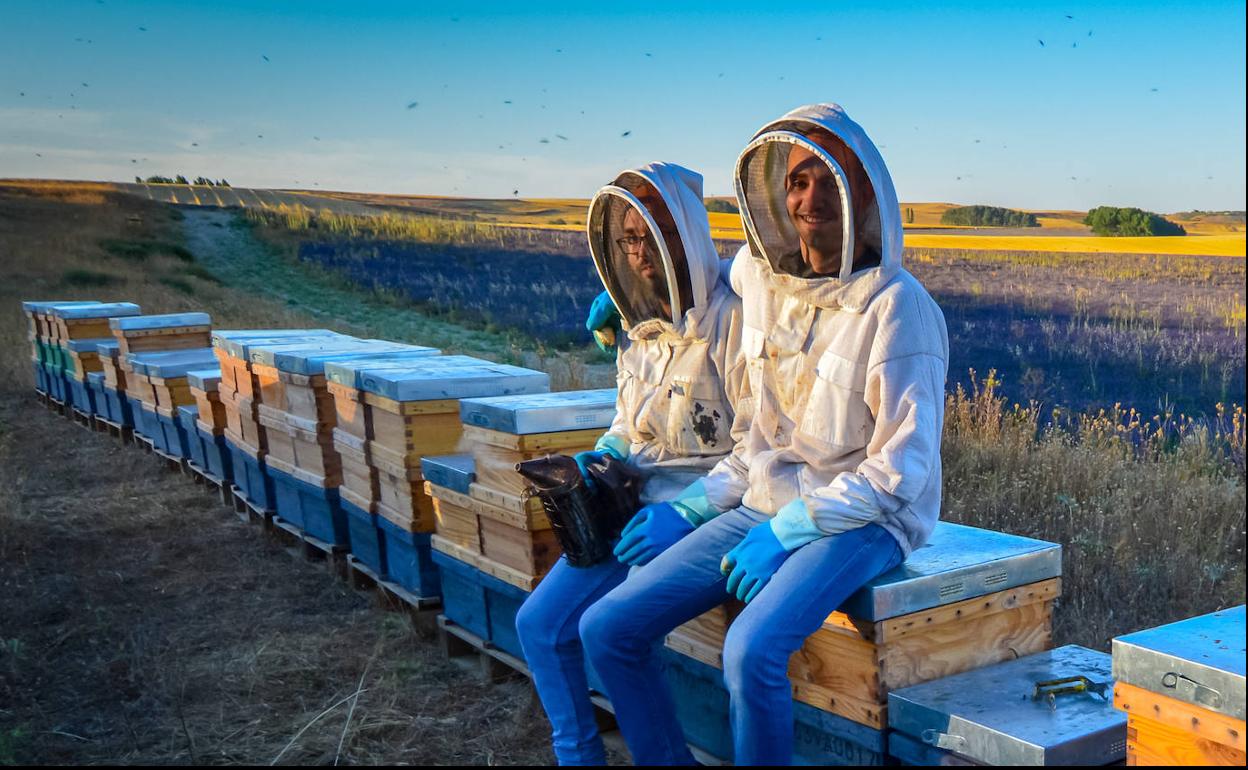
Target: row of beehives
{"type": "Point", "coordinates": [353, 441]}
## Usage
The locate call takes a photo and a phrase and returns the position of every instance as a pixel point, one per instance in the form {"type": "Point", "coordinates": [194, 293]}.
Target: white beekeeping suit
{"type": "Point", "coordinates": [680, 372]}
{"type": "Point", "coordinates": [846, 371]}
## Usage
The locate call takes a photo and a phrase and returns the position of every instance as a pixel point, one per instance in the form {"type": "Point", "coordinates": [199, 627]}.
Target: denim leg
{"type": "Point", "coordinates": [810, 585]}
{"type": "Point", "coordinates": [623, 630]}
{"type": "Point", "coordinates": [547, 625]}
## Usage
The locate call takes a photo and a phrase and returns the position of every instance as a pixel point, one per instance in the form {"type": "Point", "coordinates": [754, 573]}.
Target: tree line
{"type": "Point", "coordinates": [988, 216]}
{"type": "Point", "coordinates": [1114, 220]}
{"type": "Point", "coordinates": [200, 181]}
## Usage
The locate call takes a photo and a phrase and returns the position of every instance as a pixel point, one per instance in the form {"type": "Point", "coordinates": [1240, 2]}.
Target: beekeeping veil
{"type": "Point", "coordinates": [817, 149]}
{"type": "Point", "coordinates": [651, 244]}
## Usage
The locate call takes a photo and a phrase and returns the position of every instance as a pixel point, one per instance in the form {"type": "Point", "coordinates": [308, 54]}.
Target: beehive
{"type": "Point", "coordinates": [1182, 687]}
{"type": "Point", "coordinates": [172, 331]}
{"type": "Point", "coordinates": [967, 599]}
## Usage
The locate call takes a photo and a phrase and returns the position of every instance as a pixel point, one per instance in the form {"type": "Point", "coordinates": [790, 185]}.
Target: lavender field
{"type": "Point", "coordinates": [1162, 334]}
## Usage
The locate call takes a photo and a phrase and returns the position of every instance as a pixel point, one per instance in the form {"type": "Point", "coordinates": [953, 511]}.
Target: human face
{"type": "Point", "coordinates": [643, 257]}
{"type": "Point", "coordinates": [814, 205]}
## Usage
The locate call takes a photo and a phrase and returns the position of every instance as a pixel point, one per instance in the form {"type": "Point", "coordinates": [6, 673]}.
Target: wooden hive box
{"type": "Point", "coordinates": [308, 451]}
{"type": "Point", "coordinates": [84, 357]}
{"type": "Point", "coordinates": [173, 331]}
{"type": "Point", "coordinates": [520, 548]}
{"type": "Point", "coordinates": [167, 374]}
{"type": "Point", "coordinates": [1182, 688]}
{"type": "Point", "coordinates": [967, 599]}
{"type": "Point", "coordinates": [111, 365]}
{"type": "Point", "coordinates": [89, 321]}
{"type": "Point", "coordinates": [410, 410]}
{"type": "Point", "coordinates": [233, 346]}
{"type": "Point", "coordinates": [204, 384]}
{"type": "Point", "coordinates": [502, 431]}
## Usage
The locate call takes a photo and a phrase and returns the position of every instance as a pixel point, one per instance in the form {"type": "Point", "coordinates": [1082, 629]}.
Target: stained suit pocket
{"type": "Point", "coordinates": [836, 413]}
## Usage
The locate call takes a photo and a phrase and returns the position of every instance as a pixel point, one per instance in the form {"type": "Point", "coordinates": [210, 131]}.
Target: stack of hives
{"type": "Point", "coordinates": [237, 392]}
{"type": "Point", "coordinates": [147, 334]}
{"type": "Point", "coordinates": [165, 376]}
{"type": "Point", "coordinates": [45, 352]}
{"type": "Point", "coordinates": [205, 424]}
{"type": "Point", "coordinates": [494, 523]}
{"type": "Point", "coordinates": [968, 599]}
{"type": "Point", "coordinates": [79, 329]}
{"type": "Point", "coordinates": [297, 414]}
{"type": "Point", "coordinates": [390, 414]}
{"type": "Point", "coordinates": [1182, 688]}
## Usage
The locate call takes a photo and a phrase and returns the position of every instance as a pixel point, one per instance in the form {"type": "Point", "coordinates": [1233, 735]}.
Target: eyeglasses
{"type": "Point", "coordinates": [630, 242]}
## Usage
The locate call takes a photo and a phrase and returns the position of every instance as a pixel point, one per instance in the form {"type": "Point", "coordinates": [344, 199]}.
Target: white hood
{"type": "Point", "coordinates": [855, 291]}
{"type": "Point", "coordinates": [681, 191]}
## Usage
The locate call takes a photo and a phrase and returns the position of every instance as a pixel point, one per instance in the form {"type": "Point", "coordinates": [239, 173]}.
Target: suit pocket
{"type": "Point", "coordinates": [836, 413]}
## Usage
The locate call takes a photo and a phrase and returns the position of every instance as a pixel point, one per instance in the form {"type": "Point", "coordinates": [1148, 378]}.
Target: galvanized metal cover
{"type": "Point", "coordinates": [456, 472]}
{"type": "Point", "coordinates": [239, 347]}
{"type": "Point", "coordinates": [958, 562]}
{"type": "Point", "coordinates": [1199, 660]}
{"type": "Point", "coordinates": [990, 716]}
{"type": "Point", "coordinates": [264, 352]}
{"type": "Point", "coordinates": [221, 336]}
{"type": "Point", "coordinates": [437, 382]}
{"type": "Point", "coordinates": [95, 378]}
{"type": "Point", "coordinates": [350, 373]}
{"type": "Point", "coordinates": [97, 310]}
{"type": "Point", "coordinates": [204, 379]}
{"type": "Point", "coordinates": [43, 305]}
{"type": "Point", "coordinates": [174, 363]}
{"type": "Point", "coordinates": [87, 346]}
{"type": "Point", "coordinates": [313, 362]}
{"type": "Point", "coordinates": [167, 321]}
{"type": "Point", "coordinates": [541, 412]}
{"type": "Point", "coordinates": [108, 348]}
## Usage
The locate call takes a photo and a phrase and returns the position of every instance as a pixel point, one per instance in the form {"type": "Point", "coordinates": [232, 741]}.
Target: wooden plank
{"type": "Point", "coordinates": [571, 440]}
{"type": "Point", "coordinates": [968, 609]}
{"type": "Point", "coordinates": [412, 437]}
{"type": "Point", "coordinates": [530, 520]}
{"type": "Point", "coordinates": [960, 646]}
{"type": "Point", "coordinates": [1153, 743]}
{"type": "Point", "coordinates": [517, 503]}
{"type": "Point", "coordinates": [532, 552]}
{"type": "Point", "coordinates": [411, 408]}
{"type": "Point", "coordinates": [488, 566]}
{"type": "Point", "coordinates": [857, 710]}
{"type": "Point", "coordinates": [457, 524]}
{"type": "Point", "coordinates": [1200, 722]}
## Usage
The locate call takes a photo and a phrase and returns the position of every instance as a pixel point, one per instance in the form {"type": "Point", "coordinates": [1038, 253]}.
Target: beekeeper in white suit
{"type": "Point", "coordinates": [680, 373]}
{"type": "Point", "coordinates": [839, 475]}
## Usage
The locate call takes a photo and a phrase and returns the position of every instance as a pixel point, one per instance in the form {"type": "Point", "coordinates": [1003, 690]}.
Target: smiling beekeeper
{"type": "Point", "coordinates": [839, 475]}
{"type": "Point", "coordinates": [679, 375]}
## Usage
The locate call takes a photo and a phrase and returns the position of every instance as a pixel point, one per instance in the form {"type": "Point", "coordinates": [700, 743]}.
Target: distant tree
{"type": "Point", "coordinates": [138, 180]}
{"type": "Point", "coordinates": [721, 206]}
{"type": "Point", "coordinates": [1116, 221]}
{"type": "Point", "coordinates": [223, 183]}
{"type": "Point", "coordinates": [157, 179]}
{"type": "Point", "coordinates": [203, 182]}
{"type": "Point", "coordinates": [988, 216]}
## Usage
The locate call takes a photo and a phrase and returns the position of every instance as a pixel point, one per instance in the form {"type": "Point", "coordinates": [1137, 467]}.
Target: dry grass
{"type": "Point", "coordinates": [1150, 512]}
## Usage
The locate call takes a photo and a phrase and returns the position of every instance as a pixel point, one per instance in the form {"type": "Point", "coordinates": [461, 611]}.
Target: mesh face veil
{"type": "Point", "coordinates": [797, 205]}
{"type": "Point", "coordinates": [640, 261]}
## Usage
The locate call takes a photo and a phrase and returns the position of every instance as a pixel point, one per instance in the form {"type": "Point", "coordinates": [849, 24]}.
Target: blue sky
{"type": "Point", "coordinates": [965, 103]}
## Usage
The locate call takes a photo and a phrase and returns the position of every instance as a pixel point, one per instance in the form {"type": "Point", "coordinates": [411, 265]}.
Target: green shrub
{"type": "Point", "coordinates": [721, 206]}
{"type": "Point", "coordinates": [1115, 221]}
{"type": "Point", "coordinates": [987, 216]}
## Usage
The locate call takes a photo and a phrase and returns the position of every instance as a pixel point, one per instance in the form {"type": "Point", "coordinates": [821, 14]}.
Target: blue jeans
{"type": "Point", "coordinates": [621, 630]}
{"type": "Point", "coordinates": [547, 625]}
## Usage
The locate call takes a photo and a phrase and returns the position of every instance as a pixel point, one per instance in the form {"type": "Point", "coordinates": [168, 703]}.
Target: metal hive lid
{"type": "Point", "coordinates": [166, 321]}
{"type": "Point", "coordinates": [98, 310]}
{"type": "Point", "coordinates": [239, 346]}
{"type": "Point", "coordinates": [349, 373]}
{"type": "Point", "coordinates": [173, 363]}
{"type": "Point", "coordinates": [204, 379]}
{"type": "Point", "coordinates": [989, 714]}
{"type": "Point", "coordinates": [438, 382]}
{"type": "Point", "coordinates": [956, 563]}
{"type": "Point", "coordinates": [1199, 660]}
{"type": "Point", "coordinates": [541, 412]}
{"type": "Point", "coordinates": [87, 346]}
{"type": "Point", "coordinates": [455, 472]}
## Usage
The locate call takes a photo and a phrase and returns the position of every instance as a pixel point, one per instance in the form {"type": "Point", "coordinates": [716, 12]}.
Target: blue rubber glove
{"type": "Point", "coordinates": [583, 459]}
{"type": "Point", "coordinates": [603, 322]}
{"type": "Point", "coordinates": [654, 529]}
{"type": "Point", "coordinates": [752, 563]}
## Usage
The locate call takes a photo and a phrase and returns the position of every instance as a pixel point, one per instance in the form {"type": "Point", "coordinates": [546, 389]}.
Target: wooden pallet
{"type": "Point", "coordinates": [215, 485]}
{"type": "Point", "coordinates": [458, 643]}
{"type": "Point", "coordinates": [81, 417]}
{"type": "Point", "coordinates": [144, 443]}
{"type": "Point", "coordinates": [116, 430]}
{"type": "Point", "coordinates": [303, 546]}
{"type": "Point", "coordinates": [248, 511]}
{"type": "Point", "coordinates": [56, 406]}
{"type": "Point", "coordinates": [393, 597]}
{"type": "Point", "coordinates": [171, 462]}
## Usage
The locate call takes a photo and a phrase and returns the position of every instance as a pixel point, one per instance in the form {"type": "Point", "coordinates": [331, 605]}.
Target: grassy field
{"type": "Point", "coordinates": [144, 624]}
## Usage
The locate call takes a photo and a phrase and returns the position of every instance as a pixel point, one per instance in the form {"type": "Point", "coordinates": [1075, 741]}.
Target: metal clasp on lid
{"type": "Point", "coordinates": [943, 740]}
{"type": "Point", "coordinates": [1191, 690]}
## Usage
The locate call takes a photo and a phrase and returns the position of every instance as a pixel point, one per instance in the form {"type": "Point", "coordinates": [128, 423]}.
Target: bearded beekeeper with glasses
{"type": "Point", "coordinates": [838, 478]}
{"type": "Point", "coordinates": [679, 376]}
